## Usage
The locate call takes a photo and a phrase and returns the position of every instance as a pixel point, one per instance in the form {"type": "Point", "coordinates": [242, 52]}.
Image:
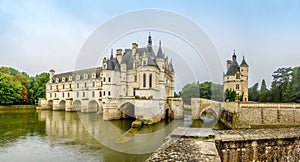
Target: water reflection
{"type": "Point", "coordinates": [67, 136]}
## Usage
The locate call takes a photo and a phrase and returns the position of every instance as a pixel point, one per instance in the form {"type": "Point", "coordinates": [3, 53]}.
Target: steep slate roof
{"type": "Point", "coordinates": [234, 67]}
{"type": "Point", "coordinates": [244, 63]}
{"type": "Point", "coordinates": [159, 52]}
{"type": "Point", "coordinates": [97, 70]}
{"type": "Point", "coordinates": [127, 59]}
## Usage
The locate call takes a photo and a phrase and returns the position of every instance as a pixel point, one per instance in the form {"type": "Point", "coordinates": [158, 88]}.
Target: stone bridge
{"type": "Point", "coordinates": [247, 114]}
{"type": "Point", "coordinates": [205, 108]}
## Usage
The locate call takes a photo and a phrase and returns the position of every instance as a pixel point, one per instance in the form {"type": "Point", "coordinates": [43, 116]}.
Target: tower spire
{"type": "Point", "coordinates": [233, 56]}
{"type": "Point", "coordinates": [149, 41]}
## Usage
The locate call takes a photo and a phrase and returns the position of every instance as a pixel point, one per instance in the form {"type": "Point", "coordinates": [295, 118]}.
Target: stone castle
{"type": "Point", "coordinates": [236, 77]}
{"type": "Point", "coordinates": [137, 82]}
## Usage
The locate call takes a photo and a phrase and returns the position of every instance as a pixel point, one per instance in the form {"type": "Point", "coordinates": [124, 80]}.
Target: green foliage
{"type": "Point", "coordinates": [190, 91]}
{"type": "Point", "coordinates": [263, 93]}
{"type": "Point", "coordinates": [207, 90]}
{"type": "Point", "coordinates": [253, 93]}
{"type": "Point", "coordinates": [230, 95]}
{"type": "Point", "coordinates": [18, 88]}
{"type": "Point", "coordinates": [10, 90]}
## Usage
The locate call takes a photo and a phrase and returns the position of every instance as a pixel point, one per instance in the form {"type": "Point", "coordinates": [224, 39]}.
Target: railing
{"type": "Point", "coordinates": [269, 105]}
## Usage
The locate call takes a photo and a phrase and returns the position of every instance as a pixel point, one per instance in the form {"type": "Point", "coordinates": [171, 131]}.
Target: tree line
{"type": "Point", "coordinates": [285, 87]}
{"type": "Point", "coordinates": [206, 90]}
{"type": "Point", "coordinates": [20, 88]}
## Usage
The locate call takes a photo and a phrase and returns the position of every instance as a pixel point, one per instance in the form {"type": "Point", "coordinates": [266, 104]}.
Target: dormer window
{"type": "Point", "coordinates": [57, 80]}
{"type": "Point", "coordinates": [85, 76]}
{"type": "Point", "coordinates": [51, 81]}
{"type": "Point", "coordinates": [238, 76]}
{"type": "Point", "coordinates": [94, 75]}
{"type": "Point", "coordinates": [70, 78]}
{"type": "Point", "coordinates": [77, 77]}
{"type": "Point", "coordinates": [63, 79]}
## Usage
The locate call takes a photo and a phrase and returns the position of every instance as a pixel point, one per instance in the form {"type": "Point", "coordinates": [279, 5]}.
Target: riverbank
{"type": "Point", "coordinates": [17, 107]}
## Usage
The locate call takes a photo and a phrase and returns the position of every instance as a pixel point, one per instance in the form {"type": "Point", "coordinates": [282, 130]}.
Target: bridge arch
{"type": "Point", "coordinates": [208, 111]}
{"type": "Point", "coordinates": [62, 105]}
{"type": "Point", "coordinates": [50, 104]}
{"type": "Point", "coordinates": [77, 105]}
{"type": "Point", "coordinates": [93, 106]}
{"type": "Point", "coordinates": [127, 110]}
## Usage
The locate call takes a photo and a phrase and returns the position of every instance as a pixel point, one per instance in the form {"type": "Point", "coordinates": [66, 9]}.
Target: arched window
{"type": "Point", "coordinates": [150, 80]}
{"type": "Point", "coordinates": [144, 80]}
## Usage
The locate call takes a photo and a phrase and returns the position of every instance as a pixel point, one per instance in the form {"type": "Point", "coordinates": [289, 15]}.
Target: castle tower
{"type": "Point", "coordinates": [236, 77]}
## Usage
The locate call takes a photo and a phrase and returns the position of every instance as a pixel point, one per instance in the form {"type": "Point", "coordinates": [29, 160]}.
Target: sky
{"type": "Point", "coordinates": [36, 36]}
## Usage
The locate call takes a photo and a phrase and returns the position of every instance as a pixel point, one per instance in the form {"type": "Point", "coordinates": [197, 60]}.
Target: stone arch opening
{"type": "Point", "coordinates": [62, 105]}
{"type": "Point", "coordinates": [77, 105]}
{"type": "Point", "coordinates": [209, 113]}
{"type": "Point", "coordinates": [50, 104]}
{"type": "Point", "coordinates": [127, 110]}
{"type": "Point", "coordinates": [93, 106]}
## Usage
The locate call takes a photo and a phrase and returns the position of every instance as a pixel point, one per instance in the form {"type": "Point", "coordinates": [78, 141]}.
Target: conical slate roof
{"type": "Point", "coordinates": [244, 63]}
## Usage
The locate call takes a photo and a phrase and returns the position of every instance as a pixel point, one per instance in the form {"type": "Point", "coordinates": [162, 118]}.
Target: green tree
{"type": "Point", "coordinates": [10, 90]}
{"type": "Point", "coordinates": [37, 86]}
{"type": "Point", "coordinates": [253, 93]}
{"type": "Point", "coordinates": [190, 91]}
{"type": "Point", "coordinates": [295, 85]}
{"type": "Point", "coordinates": [263, 93]}
{"type": "Point", "coordinates": [217, 92]}
{"type": "Point", "coordinates": [280, 89]}
{"type": "Point", "coordinates": [230, 95]}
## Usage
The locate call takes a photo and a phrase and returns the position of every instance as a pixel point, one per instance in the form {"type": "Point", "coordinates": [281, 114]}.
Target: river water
{"type": "Point", "coordinates": [30, 135]}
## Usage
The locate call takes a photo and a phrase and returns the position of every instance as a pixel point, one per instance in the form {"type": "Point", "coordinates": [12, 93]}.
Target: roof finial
{"type": "Point", "coordinates": [159, 43]}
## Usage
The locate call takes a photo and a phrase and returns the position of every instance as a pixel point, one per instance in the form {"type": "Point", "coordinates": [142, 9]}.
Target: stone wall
{"type": "Point", "coordinates": [253, 115]}
{"type": "Point", "coordinates": [199, 105]}
{"type": "Point", "coordinates": [204, 144]}
{"type": "Point", "coordinates": [259, 144]}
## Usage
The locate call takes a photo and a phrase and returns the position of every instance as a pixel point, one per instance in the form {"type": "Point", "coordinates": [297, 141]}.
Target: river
{"type": "Point", "coordinates": [30, 135]}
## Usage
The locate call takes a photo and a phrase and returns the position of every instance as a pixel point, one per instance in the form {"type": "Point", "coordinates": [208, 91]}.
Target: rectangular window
{"type": "Point", "coordinates": [238, 76]}
{"type": "Point", "coordinates": [77, 94]}
{"type": "Point", "coordinates": [85, 84]}
{"type": "Point", "coordinates": [68, 94]}
{"type": "Point", "coordinates": [63, 86]}
{"type": "Point", "coordinates": [50, 95]}
{"type": "Point", "coordinates": [108, 79]}
{"type": "Point", "coordinates": [237, 86]}
{"type": "Point", "coordinates": [63, 94]}
{"type": "Point", "coordinates": [103, 93]}
{"type": "Point", "coordinates": [108, 93]}
{"type": "Point", "coordinates": [50, 87]}
{"type": "Point", "coordinates": [100, 94]}
{"type": "Point", "coordinates": [70, 86]}
{"type": "Point", "coordinates": [93, 84]}
{"type": "Point", "coordinates": [56, 86]}
{"type": "Point", "coordinates": [83, 94]}
{"type": "Point", "coordinates": [104, 79]}
{"type": "Point", "coordinates": [93, 94]}
{"type": "Point", "coordinates": [77, 85]}
{"type": "Point", "coordinates": [54, 94]}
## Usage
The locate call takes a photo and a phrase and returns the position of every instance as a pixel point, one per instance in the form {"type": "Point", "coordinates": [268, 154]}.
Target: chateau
{"type": "Point", "coordinates": [136, 82]}
{"type": "Point", "coordinates": [236, 77]}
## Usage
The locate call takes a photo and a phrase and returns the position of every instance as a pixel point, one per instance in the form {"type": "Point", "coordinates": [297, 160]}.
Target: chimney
{"type": "Point", "coordinates": [228, 64]}
{"type": "Point", "coordinates": [52, 72]}
{"type": "Point", "coordinates": [134, 45]}
{"type": "Point", "coordinates": [119, 55]}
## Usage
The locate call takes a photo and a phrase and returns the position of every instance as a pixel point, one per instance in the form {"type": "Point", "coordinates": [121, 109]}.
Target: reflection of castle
{"type": "Point", "coordinates": [236, 77]}
{"type": "Point", "coordinates": [137, 82]}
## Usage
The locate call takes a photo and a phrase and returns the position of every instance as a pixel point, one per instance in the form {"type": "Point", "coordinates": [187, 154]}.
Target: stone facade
{"type": "Point", "coordinates": [137, 82]}
{"type": "Point", "coordinates": [236, 77]}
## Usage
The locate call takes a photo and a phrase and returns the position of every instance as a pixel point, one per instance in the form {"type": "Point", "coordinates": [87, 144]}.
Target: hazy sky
{"type": "Point", "coordinates": [36, 36]}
